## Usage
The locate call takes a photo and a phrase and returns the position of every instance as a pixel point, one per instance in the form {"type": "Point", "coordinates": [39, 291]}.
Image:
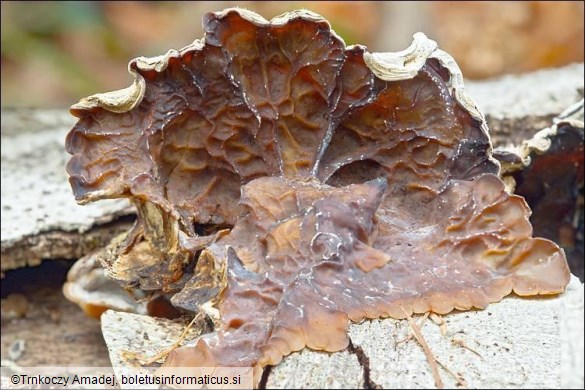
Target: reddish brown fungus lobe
{"type": "Point", "coordinates": [552, 184]}
{"type": "Point", "coordinates": [339, 192]}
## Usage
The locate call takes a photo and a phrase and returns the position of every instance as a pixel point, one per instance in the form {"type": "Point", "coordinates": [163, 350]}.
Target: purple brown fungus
{"type": "Point", "coordinates": [290, 184]}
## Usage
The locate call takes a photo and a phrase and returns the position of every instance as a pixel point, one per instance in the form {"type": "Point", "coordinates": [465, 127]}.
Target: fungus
{"type": "Point", "coordinates": [295, 184]}
{"type": "Point", "coordinates": [90, 289]}
{"type": "Point", "coordinates": [548, 172]}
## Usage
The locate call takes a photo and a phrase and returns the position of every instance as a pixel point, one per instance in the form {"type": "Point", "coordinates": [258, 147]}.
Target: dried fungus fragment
{"type": "Point", "coordinates": [90, 289]}
{"type": "Point", "coordinates": [295, 184]}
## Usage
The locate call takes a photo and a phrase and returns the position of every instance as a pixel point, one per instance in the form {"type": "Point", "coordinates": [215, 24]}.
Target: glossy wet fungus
{"type": "Point", "coordinates": [552, 184]}
{"type": "Point", "coordinates": [296, 184]}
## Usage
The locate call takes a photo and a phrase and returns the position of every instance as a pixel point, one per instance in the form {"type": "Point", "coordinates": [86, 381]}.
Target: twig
{"type": "Point", "coordinates": [419, 337]}
{"type": "Point", "coordinates": [462, 344]}
{"type": "Point", "coordinates": [410, 335]}
{"type": "Point", "coordinates": [460, 380]}
{"type": "Point", "coordinates": [176, 343]}
{"type": "Point", "coordinates": [437, 319]}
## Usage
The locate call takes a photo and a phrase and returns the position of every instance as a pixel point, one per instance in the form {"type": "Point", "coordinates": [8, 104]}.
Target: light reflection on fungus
{"type": "Point", "coordinates": [343, 185]}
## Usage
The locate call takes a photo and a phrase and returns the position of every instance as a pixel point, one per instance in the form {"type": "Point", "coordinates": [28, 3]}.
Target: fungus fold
{"type": "Point", "coordinates": [296, 184]}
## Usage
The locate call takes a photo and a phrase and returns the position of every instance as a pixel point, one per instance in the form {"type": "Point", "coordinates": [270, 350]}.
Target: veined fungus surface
{"type": "Point", "coordinates": [296, 184]}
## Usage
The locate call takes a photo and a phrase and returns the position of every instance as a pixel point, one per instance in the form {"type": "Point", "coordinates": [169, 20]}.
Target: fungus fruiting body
{"type": "Point", "coordinates": [296, 184]}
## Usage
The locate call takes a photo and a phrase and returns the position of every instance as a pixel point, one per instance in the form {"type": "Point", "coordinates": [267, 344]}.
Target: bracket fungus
{"type": "Point", "coordinates": [290, 184]}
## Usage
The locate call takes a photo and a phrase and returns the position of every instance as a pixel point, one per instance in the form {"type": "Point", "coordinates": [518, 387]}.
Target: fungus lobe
{"type": "Point", "coordinates": [547, 170]}
{"type": "Point", "coordinates": [296, 184]}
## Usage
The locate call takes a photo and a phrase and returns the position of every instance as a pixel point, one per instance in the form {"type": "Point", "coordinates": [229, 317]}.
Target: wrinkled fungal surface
{"type": "Point", "coordinates": [295, 184]}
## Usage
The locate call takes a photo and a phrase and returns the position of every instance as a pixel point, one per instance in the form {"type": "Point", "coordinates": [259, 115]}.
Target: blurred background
{"type": "Point", "coordinates": [54, 53]}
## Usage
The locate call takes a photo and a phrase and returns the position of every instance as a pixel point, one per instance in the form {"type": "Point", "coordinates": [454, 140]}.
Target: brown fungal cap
{"type": "Point", "coordinates": [356, 185]}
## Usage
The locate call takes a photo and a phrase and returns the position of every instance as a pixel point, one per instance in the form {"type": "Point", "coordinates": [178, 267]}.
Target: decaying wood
{"type": "Point", "coordinates": [55, 331]}
{"type": "Point", "coordinates": [141, 336]}
{"type": "Point", "coordinates": [520, 342]}
{"type": "Point", "coordinates": [180, 339]}
{"type": "Point", "coordinates": [516, 107]}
